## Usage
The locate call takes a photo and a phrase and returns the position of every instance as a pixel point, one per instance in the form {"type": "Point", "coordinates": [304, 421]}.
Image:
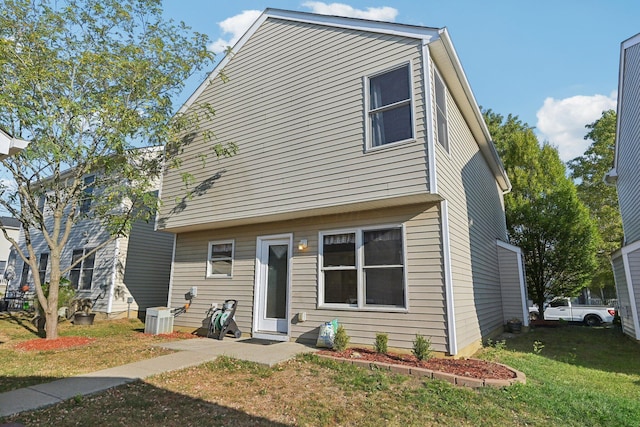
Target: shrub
{"type": "Point", "coordinates": [381, 343]}
{"type": "Point", "coordinates": [422, 347]}
{"type": "Point", "coordinates": [340, 339]}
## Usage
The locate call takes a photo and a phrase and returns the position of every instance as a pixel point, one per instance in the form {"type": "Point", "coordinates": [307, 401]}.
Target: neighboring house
{"type": "Point", "coordinates": [12, 227]}
{"type": "Point", "coordinates": [10, 145]}
{"type": "Point", "coordinates": [626, 176]}
{"type": "Point", "coordinates": [366, 188]}
{"type": "Point", "coordinates": [136, 266]}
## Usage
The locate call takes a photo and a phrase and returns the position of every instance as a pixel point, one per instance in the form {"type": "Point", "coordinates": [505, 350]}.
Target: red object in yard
{"type": "Point", "coordinates": [25, 288]}
{"type": "Point", "coordinates": [612, 312]}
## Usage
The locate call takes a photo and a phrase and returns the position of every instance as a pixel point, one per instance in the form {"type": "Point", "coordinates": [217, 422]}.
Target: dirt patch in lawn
{"type": "Point", "coordinates": [40, 344]}
{"type": "Point", "coordinates": [470, 368]}
{"type": "Point", "coordinates": [63, 343]}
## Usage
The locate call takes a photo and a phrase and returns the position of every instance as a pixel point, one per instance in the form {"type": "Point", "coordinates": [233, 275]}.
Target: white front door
{"type": "Point", "coordinates": [271, 307]}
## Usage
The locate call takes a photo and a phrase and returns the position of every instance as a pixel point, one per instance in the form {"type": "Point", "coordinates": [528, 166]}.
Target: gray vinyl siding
{"type": "Point", "coordinates": [508, 262]}
{"type": "Point", "coordinates": [147, 254]}
{"type": "Point", "coordinates": [294, 105]}
{"type": "Point", "coordinates": [629, 146]}
{"type": "Point", "coordinates": [476, 221]}
{"type": "Point", "coordinates": [634, 269]}
{"type": "Point", "coordinates": [84, 235]}
{"type": "Point", "coordinates": [426, 314]}
{"type": "Point", "coordinates": [622, 289]}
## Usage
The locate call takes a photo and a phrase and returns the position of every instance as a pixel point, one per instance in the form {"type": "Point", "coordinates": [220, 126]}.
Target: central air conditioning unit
{"type": "Point", "coordinates": [159, 320]}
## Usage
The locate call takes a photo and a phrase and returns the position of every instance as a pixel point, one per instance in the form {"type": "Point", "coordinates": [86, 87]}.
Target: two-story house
{"type": "Point", "coordinates": [626, 176]}
{"type": "Point", "coordinates": [125, 276]}
{"type": "Point", "coordinates": [366, 188]}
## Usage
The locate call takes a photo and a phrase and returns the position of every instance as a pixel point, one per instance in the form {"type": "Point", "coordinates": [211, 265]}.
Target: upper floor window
{"type": "Point", "coordinates": [24, 276]}
{"type": "Point", "coordinates": [85, 202]}
{"type": "Point", "coordinates": [81, 275]}
{"type": "Point", "coordinates": [390, 117]}
{"type": "Point", "coordinates": [220, 259]}
{"type": "Point", "coordinates": [42, 266]}
{"type": "Point", "coordinates": [441, 112]}
{"type": "Point", "coordinates": [363, 268]}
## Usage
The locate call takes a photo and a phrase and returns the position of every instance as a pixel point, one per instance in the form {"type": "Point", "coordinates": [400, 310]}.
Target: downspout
{"type": "Point", "coordinates": [114, 275]}
{"type": "Point", "coordinates": [448, 280]}
{"type": "Point", "coordinates": [173, 262]}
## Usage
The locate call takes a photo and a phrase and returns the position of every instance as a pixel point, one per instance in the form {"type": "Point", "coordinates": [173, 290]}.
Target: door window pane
{"type": "Point", "coordinates": [277, 282]}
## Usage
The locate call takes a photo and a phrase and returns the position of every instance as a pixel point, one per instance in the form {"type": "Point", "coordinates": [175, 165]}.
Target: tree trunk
{"type": "Point", "coordinates": [51, 325]}
{"type": "Point", "coordinates": [540, 304]}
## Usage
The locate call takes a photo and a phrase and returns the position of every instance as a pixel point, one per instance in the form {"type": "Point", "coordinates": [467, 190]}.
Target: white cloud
{"type": "Point", "coordinates": [562, 121]}
{"type": "Point", "coordinates": [384, 13]}
{"type": "Point", "coordinates": [235, 27]}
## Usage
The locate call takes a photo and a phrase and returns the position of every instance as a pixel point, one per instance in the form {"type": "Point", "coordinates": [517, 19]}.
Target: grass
{"type": "Point", "coordinates": [117, 342]}
{"type": "Point", "coordinates": [576, 376]}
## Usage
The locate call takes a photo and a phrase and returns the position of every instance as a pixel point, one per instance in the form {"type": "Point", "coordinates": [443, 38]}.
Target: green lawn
{"type": "Point", "coordinates": [576, 376]}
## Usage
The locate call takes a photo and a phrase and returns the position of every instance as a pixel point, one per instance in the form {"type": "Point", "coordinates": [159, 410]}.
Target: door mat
{"type": "Point", "coordinates": [258, 341]}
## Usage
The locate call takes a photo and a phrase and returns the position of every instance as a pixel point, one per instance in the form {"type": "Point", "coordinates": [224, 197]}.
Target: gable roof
{"type": "Point", "coordinates": [442, 52]}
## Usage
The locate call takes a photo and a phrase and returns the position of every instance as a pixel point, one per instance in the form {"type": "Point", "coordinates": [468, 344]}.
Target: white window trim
{"type": "Point", "coordinates": [361, 306]}
{"type": "Point", "coordinates": [437, 76]}
{"type": "Point", "coordinates": [210, 275]}
{"type": "Point", "coordinates": [81, 268]}
{"type": "Point", "coordinates": [367, 111]}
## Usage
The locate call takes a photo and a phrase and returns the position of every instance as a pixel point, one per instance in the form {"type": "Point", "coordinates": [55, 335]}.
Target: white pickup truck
{"type": "Point", "coordinates": [563, 308]}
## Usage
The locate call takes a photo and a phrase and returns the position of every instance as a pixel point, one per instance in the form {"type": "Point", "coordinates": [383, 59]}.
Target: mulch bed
{"type": "Point", "coordinates": [63, 343]}
{"type": "Point", "coordinates": [41, 344]}
{"type": "Point", "coordinates": [470, 368]}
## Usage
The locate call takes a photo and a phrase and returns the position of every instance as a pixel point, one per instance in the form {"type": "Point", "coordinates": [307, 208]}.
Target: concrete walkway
{"type": "Point", "coordinates": [191, 352]}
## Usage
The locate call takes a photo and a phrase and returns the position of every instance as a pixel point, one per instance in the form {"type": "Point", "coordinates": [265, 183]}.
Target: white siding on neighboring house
{"type": "Point", "coordinates": [624, 303]}
{"type": "Point", "coordinates": [297, 114]}
{"type": "Point", "coordinates": [628, 145]}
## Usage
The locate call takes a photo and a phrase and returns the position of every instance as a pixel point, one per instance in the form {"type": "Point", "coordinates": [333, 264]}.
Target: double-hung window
{"type": "Point", "coordinates": [81, 274]}
{"type": "Point", "coordinates": [441, 111]}
{"type": "Point", "coordinates": [42, 266]}
{"type": "Point", "coordinates": [87, 197]}
{"type": "Point", "coordinates": [389, 109]}
{"type": "Point", "coordinates": [363, 268]}
{"type": "Point", "coordinates": [220, 259]}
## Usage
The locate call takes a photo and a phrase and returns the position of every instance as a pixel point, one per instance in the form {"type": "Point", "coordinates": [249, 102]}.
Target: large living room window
{"type": "Point", "coordinates": [363, 268]}
{"type": "Point", "coordinates": [389, 108]}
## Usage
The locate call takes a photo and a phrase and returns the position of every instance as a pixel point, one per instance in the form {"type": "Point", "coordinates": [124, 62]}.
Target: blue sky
{"type": "Point", "coordinates": [552, 63]}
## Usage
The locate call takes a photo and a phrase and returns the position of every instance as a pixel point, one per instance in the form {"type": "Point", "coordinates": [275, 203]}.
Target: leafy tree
{"type": "Point", "coordinates": [87, 82]}
{"type": "Point", "coordinates": [588, 171]}
{"type": "Point", "coordinates": [544, 215]}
